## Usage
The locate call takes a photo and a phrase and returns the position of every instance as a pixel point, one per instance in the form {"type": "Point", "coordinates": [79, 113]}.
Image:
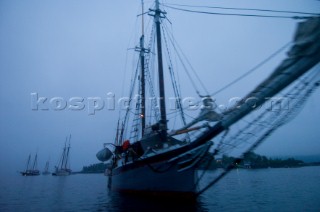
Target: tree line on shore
{"type": "Point", "coordinates": [250, 160]}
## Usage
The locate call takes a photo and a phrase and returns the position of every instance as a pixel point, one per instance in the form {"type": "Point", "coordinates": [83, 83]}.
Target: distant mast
{"type": "Point", "coordinates": [67, 154]}
{"type": "Point", "coordinates": [35, 162]}
{"type": "Point", "coordinates": [163, 121]}
{"type": "Point", "coordinates": [46, 169]}
{"type": "Point", "coordinates": [29, 158]}
{"type": "Point", "coordinates": [64, 154]}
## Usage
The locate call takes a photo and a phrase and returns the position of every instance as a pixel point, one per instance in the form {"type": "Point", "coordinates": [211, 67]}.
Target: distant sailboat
{"type": "Point", "coordinates": [32, 171]}
{"type": "Point", "coordinates": [63, 168]}
{"type": "Point", "coordinates": [46, 169]}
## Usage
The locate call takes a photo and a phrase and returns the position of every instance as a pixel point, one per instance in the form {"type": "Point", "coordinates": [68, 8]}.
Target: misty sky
{"type": "Point", "coordinates": [78, 48]}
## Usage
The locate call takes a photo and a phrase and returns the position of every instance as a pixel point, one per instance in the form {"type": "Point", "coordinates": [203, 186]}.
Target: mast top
{"type": "Point", "coordinates": [142, 18]}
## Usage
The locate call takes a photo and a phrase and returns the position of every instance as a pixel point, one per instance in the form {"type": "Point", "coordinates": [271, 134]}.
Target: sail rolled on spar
{"type": "Point", "coordinates": [303, 56]}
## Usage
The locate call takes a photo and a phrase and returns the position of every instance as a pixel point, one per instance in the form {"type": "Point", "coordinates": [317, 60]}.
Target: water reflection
{"type": "Point", "coordinates": [115, 201]}
{"type": "Point", "coordinates": [242, 190]}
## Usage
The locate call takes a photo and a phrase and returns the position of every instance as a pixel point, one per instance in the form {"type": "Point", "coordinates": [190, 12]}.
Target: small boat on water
{"type": "Point", "coordinates": [31, 171]}
{"type": "Point", "coordinates": [63, 167]}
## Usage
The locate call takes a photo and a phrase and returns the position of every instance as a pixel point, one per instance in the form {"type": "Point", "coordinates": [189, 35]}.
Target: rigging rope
{"type": "Point", "coordinates": [244, 9]}
{"type": "Point", "coordinates": [177, 48]}
{"type": "Point", "coordinates": [276, 119]}
{"type": "Point", "coordinates": [296, 95]}
{"type": "Point", "coordinates": [174, 82]}
{"type": "Point", "coordinates": [126, 117]}
{"type": "Point", "coordinates": [149, 62]}
{"type": "Point", "coordinates": [259, 65]}
{"type": "Point", "coordinates": [252, 69]}
{"type": "Point", "coordinates": [216, 151]}
{"type": "Point", "coordinates": [237, 14]}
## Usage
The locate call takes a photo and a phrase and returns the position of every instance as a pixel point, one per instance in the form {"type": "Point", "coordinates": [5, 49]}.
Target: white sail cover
{"type": "Point", "coordinates": [104, 155]}
{"type": "Point", "coordinates": [304, 54]}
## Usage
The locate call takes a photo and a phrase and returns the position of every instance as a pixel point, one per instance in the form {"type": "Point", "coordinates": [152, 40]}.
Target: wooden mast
{"type": "Point", "coordinates": [142, 78]}
{"type": "Point", "coordinates": [163, 120]}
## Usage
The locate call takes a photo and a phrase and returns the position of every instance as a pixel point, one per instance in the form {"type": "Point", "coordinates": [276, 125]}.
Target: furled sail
{"type": "Point", "coordinates": [303, 56]}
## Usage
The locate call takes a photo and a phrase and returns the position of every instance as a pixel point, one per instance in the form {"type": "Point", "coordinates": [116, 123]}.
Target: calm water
{"type": "Point", "coordinates": [288, 189]}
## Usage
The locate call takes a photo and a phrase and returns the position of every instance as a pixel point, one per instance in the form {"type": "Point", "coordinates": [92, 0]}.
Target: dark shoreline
{"type": "Point", "coordinates": [88, 171]}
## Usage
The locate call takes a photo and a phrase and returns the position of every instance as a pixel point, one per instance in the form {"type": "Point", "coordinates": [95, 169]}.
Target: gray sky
{"type": "Point", "coordinates": [78, 48]}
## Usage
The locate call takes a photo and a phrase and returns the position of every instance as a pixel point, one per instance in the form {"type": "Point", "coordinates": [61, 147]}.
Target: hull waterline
{"type": "Point", "coordinates": [175, 175]}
